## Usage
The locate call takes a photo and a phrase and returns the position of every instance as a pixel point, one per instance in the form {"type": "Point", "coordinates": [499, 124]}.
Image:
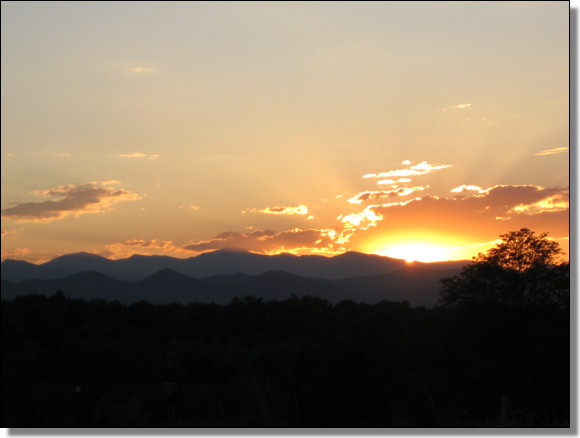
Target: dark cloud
{"type": "Point", "coordinates": [69, 199]}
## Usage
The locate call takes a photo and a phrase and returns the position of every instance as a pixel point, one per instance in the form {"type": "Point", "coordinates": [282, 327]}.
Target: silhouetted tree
{"type": "Point", "coordinates": [513, 316]}
{"type": "Point", "coordinates": [520, 271]}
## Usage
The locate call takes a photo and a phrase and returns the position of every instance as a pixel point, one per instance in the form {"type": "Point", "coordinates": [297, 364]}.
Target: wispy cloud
{"type": "Point", "coordinates": [68, 200]}
{"type": "Point", "coordinates": [459, 106]}
{"type": "Point", "coordinates": [551, 151]}
{"type": "Point", "coordinates": [421, 168]}
{"type": "Point", "coordinates": [189, 207]}
{"type": "Point", "coordinates": [299, 210]}
{"type": "Point", "coordinates": [140, 155]}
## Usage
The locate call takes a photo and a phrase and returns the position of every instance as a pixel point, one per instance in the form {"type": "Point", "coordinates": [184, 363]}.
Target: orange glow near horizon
{"type": "Point", "coordinates": [417, 252]}
{"type": "Point", "coordinates": [430, 248]}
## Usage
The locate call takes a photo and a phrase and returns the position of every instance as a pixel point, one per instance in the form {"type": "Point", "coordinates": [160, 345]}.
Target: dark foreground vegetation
{"type": "Point", "coordinates": [487, 360]}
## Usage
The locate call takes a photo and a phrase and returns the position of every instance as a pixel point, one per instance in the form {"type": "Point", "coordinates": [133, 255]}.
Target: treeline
{"type": "Point", "coordinates": [301, 362]}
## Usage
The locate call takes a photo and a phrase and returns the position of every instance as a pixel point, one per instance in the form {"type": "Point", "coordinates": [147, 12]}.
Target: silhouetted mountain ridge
{"type": "Point", "coordinates": [139, 267]}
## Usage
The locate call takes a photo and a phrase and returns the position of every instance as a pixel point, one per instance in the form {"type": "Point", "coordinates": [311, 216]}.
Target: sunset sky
{"type": "Point", "coordinates": [414, 130]}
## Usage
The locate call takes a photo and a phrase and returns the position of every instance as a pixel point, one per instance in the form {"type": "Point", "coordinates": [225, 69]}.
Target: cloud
{"type": "Point", "coordinates": [27, 255]}
{"type": "Point", "coordinates": [418, 169]}
{"type": "Point", "coordinates": [142, 70]}
{"type": "Point", "coordinates": [269, 242]}
{"type": "Point", "coordinates": [459, 106]}
{"type": "Point", "coordinates": [140, 155]}
{"type": "Point", "coordinates": [68, 199]}
{"type": "Point", "coordinates": [354, 220]}
{"type": "Point", "coordinates": [478, 216]}
{"type": "Point", "coordinates": [189, 207]}
{"type": "Point", "coordinates": [378, 194]}
{"type": "Point", "coordinates": [130, 247]}
{"type": "Point", "coordinates": [107, 182]}
{"type": "Point", "coordinates": [551, 152]}
{"type": "Point", "coordinates": [301, 210]}
{"type": "Point", "coordinates": [467, 188]}
{"type": "Point", "coordinates": [15, 254]}
{"type": "Point", "coordinates": [557, 202]}
{"type": "Point", "coordinates": [155, 243]}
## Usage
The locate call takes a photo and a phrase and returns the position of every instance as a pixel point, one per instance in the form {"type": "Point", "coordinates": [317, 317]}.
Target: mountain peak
{"type": "Point", "coordinates": [78, 256]}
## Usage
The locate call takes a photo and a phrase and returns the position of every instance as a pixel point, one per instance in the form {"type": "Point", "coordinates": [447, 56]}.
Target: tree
{"type": "Point", "coordinates": [520, 271]}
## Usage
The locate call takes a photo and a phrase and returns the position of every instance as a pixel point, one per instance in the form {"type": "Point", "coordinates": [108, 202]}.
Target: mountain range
{"type": "Point", "coordinates": [222, 275]}
{"type": "Point", "coordinates": [227, 262]}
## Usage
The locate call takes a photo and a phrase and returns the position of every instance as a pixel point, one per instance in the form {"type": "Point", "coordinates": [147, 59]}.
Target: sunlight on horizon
{"type": "Point", "coordinates": [417, 252]}
{"type": "Point", "coordinates": [428, 248]}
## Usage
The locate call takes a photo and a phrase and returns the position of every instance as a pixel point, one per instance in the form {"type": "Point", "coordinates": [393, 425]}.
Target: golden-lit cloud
{"type": "Point", "coordinates": [26, 254]}
{"type": "Point", "coordinates": [459, 106]}
{"type": "Point", "coordinates": [551, 151]}
{"type": "Point", "coordinates": [68, 200]}
{"type": "Point", "coordinates": [467, 188]}
{"type": "Point", "coordinates": [268, 241]}
{"type": "Point", "coordinates": [354, 220]}
{"type": "Point", "coordinates": [378, 194]}
{"type": "Point", "coordinates": [472, 217]}
{"type": "Point", "coordinates": [140, 155]}
{"type": "Point", "coordinates": [16, 253]}
{"type": "Point", "coordinates": [300, 210]}
{"type": "Point", "coordinates": [130, 247]}
{"type": "Point", "coordinates": [557, 202]}
{"type": "Point", "coordinates": [421, 168]}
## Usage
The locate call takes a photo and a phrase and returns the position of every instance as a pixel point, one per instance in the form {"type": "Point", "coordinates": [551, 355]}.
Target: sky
{"type": "Point", "coordinates": [415, 130]}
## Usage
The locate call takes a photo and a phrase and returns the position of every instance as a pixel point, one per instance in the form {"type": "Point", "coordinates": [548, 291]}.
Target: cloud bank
{"type": "Point", "coordinates": [268, 242]}
{"type": "Point", "coordinates": [69, 200]}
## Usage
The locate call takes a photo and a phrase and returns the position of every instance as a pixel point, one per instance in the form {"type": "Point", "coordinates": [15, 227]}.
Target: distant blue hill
{"type": "Point", "coordinates": [413, 283]}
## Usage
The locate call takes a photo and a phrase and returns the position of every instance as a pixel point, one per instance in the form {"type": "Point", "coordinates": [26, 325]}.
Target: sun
{"type": "Point", "coordinates": [423, 246]}
{"type": "Point", "coordinates": [421, 252]}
